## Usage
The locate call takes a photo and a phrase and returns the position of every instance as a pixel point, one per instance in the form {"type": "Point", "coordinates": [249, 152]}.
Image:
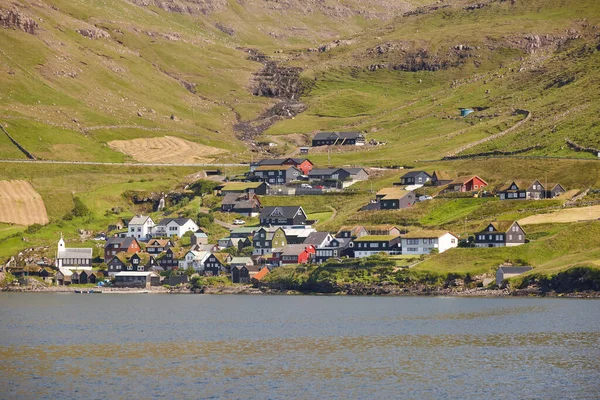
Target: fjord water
{"type": "Point", "coordinates": [201, 346]}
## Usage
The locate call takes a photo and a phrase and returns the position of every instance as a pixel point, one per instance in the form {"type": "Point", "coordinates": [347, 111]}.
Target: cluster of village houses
{"type": "Point", "coordinates": [284, 235]}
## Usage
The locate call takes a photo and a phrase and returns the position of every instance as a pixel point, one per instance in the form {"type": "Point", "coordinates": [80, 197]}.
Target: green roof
{"type": "Point", "coordinates": [425, 234]}
{"type": "Point", "coordinates": [499, 226]}
{"type": "Point", "coordinates": [244, 230]}
{"type": "Point", "coordinates": [241, 185]}
{"type": "Point", "coordinates": [374, 238]}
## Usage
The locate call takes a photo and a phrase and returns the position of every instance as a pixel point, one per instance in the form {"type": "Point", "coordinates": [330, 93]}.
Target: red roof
{"type": "Point", "coordinates": [261, 274]}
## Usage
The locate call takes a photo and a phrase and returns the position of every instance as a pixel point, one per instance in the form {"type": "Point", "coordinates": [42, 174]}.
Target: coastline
{"type": "Point", "coordinates": [348, 290]}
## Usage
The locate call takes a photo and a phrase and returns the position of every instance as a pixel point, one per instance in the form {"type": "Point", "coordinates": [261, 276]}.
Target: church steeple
{"type": "Point", "coordinates": [61, 244]}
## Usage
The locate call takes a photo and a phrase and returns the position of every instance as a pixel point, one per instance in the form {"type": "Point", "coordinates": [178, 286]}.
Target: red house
{"type": "Point", "coordinates": [467, 184]}
{"type": "Point", "coordinates": [303, 164]}
{"type": "Point", "coordinates": [297, 254]}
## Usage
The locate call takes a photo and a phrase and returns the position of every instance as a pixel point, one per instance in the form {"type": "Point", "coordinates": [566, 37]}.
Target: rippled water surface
{"type": "Point", "coordinates": [269, 347]}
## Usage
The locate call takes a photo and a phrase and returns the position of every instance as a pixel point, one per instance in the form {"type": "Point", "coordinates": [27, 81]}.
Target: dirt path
{"type": "Point", "coordinates": [566, 215]}
{"type": "Point", "coordinates": [224, 224]}
{"type": "Point", "coordinates": [333, 215]}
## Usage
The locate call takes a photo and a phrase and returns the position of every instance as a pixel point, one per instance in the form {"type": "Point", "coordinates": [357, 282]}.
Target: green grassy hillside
{"type": "Point", "coordinates": [78, 75]}
{"type": "Point", "coordinates": [65, 94]}
{"type": "Point", "coordinates": [404, 83]}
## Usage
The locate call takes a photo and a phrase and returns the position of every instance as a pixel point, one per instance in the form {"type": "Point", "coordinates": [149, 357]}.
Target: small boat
{"type": "Point", "coordinates": [86, 291]}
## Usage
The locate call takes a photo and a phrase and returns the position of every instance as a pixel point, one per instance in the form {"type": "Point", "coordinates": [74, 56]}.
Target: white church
{"type": "Point", "coordinates": [73, 258]}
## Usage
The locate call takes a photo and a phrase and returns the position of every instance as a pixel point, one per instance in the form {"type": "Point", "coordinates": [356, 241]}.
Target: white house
{"type": "Point", "coordinates": [422, 242]}
{"type": "Point", "coordinates": [194, 259]}
{"type": "Point", "coordinates": [140, 227]}
{"type": "Point", "coordinates": [73, 258]}
{"type": "Point", "coordinates": [174, 227]}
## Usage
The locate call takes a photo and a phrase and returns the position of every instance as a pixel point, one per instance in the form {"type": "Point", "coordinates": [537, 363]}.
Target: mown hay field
{"type": "Point", "coordinates": [166, 150]}
{"type": "Point", "coordinates": [566, 215]}
{"type": "Point", "coordinates": [21, 204]}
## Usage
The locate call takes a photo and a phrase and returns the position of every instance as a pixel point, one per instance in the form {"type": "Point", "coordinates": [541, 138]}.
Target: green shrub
{"type": "Point", "coordinates": [33, 228]}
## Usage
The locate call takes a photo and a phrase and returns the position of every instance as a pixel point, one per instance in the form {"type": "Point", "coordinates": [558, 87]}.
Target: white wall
{"type": "Point", "coordinates": [447, 241]}
{"type": "Point", "coordinates": [425, 245]}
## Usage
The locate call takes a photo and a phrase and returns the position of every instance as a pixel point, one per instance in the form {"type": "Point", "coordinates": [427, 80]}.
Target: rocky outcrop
{"type": "Point", "coordinates": [277, 82]}
{"type": "Point", "coordinates": [420, 60]}
{"type": "Point", "coordinates": [93, 33]}
{"type": "Point", "coordinates": [174, 36]}
{"type": "Point", "coordinates": [15, 18]}
{"type": "Point", "coordinates": [193, 7]}
{"type": "Point", "coordinates": [225, 29]}
{"type": "Point", "coordinates": [326, 47]}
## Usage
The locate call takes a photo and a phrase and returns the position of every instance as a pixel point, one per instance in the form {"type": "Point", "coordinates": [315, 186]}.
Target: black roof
{"type": "Point", "coordinates": [354, 171]}
{"type": "Point", "coordinates": [285, 211]}
{"type": "Point", "coordinates": [121, 241]}
{"type": "Point", "coordinates": [515, 270]}
{"type": "Point", "coordinates": [280, 161]}
{"type": "Point", "coordinates": [414, 174]}
{"type": "Point", "coordinates": [316, 238]}
{"type": "Point", "coordinates": [337, 135]}
{"type": "Point", "coordinates": [322, 171]}
{"type": "Point", "coordinates": [179, 221]}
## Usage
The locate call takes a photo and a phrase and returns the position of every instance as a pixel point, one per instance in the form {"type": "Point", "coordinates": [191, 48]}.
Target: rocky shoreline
{"type": "Point", "coordinates": [348, 290]}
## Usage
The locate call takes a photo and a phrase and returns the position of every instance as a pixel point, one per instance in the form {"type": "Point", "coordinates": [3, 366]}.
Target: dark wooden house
{"type": "Point", "coordinates": [415, 178]}
{"type": "Point", "coordinates": [215, 264]}
{"type": "Point", "coordinates": [131, 262]}
{"type": "Point", "coordinates": [353, 138]}
{"type": "Point", "coordinates": [157, 246]}
{"type": "Point", "coordinates": [369, 245]}
{"type": "Point", "coordinates": [523, 190]}
{"type": "Point", "coordinates": [337, 247]}
{"type": "Point", "coordinates": [282, 216]}
{"type": "Point", "coordinates": [276, 174]}
{"type": "Point", "coordinates": [303, 164]}
{"type": "Point", "coordinates": [395, 198]}
{"type": "Point", "coordinates": [117, 245]}
{"type": "Point", "coordinates": [500, 234]}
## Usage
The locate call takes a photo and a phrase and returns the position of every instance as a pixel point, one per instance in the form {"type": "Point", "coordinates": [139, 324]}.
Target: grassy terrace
{"type": "Point", "coordinates": [551, 249]}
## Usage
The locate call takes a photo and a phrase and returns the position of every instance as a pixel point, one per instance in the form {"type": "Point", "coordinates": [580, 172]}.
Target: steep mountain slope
{"type": "Point", "coordinates": [404, 82]}
{"type": "Point", "coordinates": [76, 75]}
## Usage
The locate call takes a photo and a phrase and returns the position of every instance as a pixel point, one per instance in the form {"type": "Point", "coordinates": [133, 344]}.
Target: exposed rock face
{"type": "Point", "coordinates": [276, 82]}
{"type": "Point", "coordinates": [193, 7]}
{"type": "Point", "coordinates": [225, 29]}
{"type": "Point", "coordinates": [17, 19]}
{"type": "Point", "coordinates": [93, 33]}
{"type": "Point", "coordinates": [379, 9]}
{"type": "Point", "coordinates": [174, 36]}
{"type": "Point", "coordinates": [336, 43]}
{"type": "Point", "coordinates": [421, 60]}
{"type": "Point", "coordinates": [534, 43]}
